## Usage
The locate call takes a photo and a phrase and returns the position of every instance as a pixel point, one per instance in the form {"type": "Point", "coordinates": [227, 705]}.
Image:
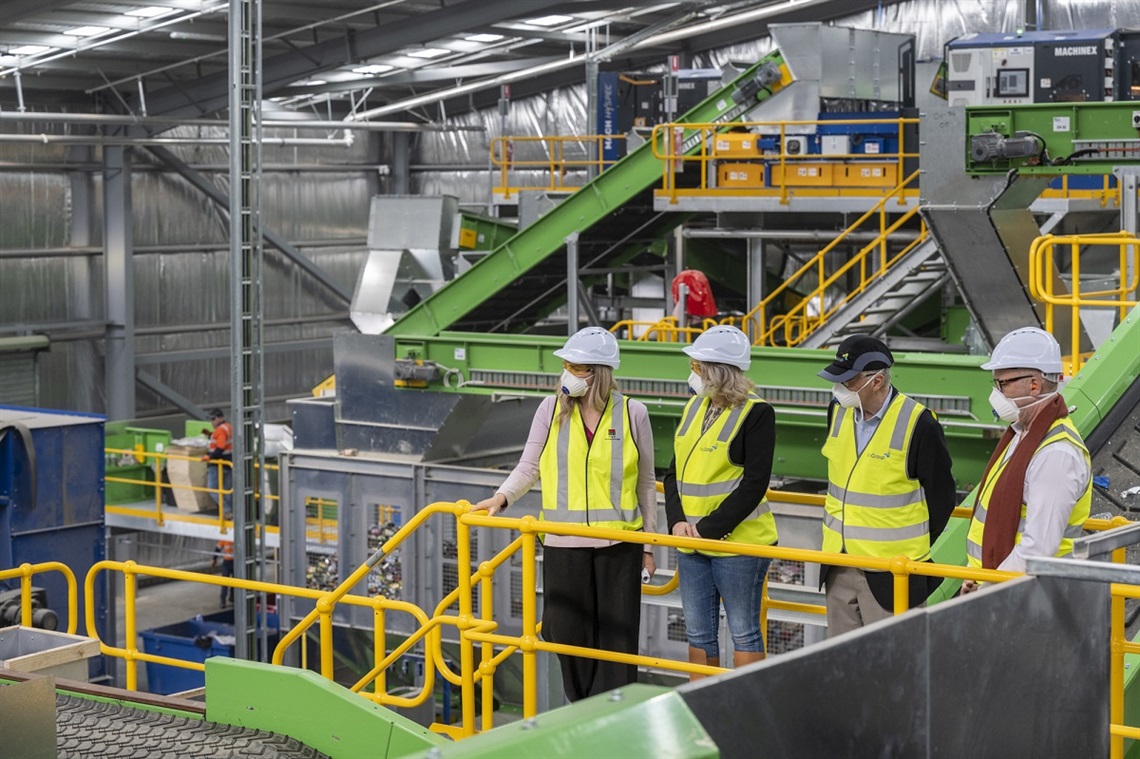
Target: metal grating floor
{"type": "Point", "coordinates": [97, 729]}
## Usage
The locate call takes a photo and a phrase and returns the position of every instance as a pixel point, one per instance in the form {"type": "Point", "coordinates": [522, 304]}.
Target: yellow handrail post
{"type": "Point", "coordinates": [783, 164]}
{"type": "Point", "coordinates": [466, 647]}
{"type": "Point", "coordinates": [26, 595]}
{"type": "Point", "coordinates": [1075, 321]}
{"type": "Point", "coordinates": [486, 648]}
{"type": "Point", "coordinates": [901, 584]}
{"type": "Point", "coordinates": [379, 644]}
{"type": "Point", "coordinates": [882, 241]}
{"type": "Point", "coordinates": [1116, 666]}
{"type": "Point", "coordinates": [130, 640]}
{"type": "Point", "coordinates": [529, 619]}
{"type": "Point", "coordinates": [325, 610]}
{"type": "Point", "coordinates": [158, 491]}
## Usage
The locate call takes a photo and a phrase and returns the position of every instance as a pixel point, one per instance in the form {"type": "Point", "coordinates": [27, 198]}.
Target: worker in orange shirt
{"type": "Point", "coordinates": [221, 448]}
{"type": "Point", "coordinates": [225, 549]}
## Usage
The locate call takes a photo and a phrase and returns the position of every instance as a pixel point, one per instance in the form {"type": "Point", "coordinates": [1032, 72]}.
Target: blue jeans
{"type": "Point", "coordinates": [705, 581]}
{"type": "Point", "coordinates": [227, 483]}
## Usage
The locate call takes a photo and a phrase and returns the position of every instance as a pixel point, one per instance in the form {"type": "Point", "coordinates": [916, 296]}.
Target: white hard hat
{"type": "Point", "coordinates": [1026, 348]}
{"type": "Point", "coordinates": [592, 345]}
{"type": "Point", "coordinates": [722, 345]}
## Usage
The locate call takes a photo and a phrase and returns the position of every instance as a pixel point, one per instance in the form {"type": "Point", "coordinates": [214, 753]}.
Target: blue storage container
{"type": "Point", "coordinates": [196, 640]}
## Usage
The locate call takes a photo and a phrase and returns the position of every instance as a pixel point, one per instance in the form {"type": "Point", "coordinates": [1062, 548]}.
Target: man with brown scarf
{"type": "Point", "coordinates": [1037, 487]}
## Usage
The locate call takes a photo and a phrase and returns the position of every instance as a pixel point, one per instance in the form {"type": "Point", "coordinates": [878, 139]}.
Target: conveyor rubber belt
{"type": "Point", "coordinates": [89, 729]}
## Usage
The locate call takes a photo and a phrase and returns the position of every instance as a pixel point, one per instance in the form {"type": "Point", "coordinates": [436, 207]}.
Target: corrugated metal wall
{"type": "Point", "coordinates": [181, 265]}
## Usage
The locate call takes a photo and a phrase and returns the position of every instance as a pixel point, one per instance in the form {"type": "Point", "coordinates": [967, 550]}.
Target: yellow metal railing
{"type": "Point", "coordinates": [560, 158]}
{"type": "Point", "coordinates": [661, 331]}
{"type": "Point", "coordinates": [669, 141]}
{"type": "Point", "coordinates": [158, 462]}
{"type": "Point", "coordinates": [1047, 255]}
{"type": "Point", "coordinates": [1107, 194]}
{"type": "Point", "coordinates": [25, 572]}
{"type": "Point", "coordinates": [481, 630]}
{"type": "Point", "coordinates": [858, 273]}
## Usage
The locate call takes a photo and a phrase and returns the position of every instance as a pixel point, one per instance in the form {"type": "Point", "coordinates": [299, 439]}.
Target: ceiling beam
{"type": "Point", "coordinates": [211, 93]}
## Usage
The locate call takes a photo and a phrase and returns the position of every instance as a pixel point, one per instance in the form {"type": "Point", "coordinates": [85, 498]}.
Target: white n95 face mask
{"type": "Point", "coordinates": [1007, 409]}
{"type": "Point", "coordinates": [696, 384]}
{"type": "Point", "coordinates": [574, 386]}
{"type": "Point", "coordinates": [850, 398]}
{"type": "Point", "coordinates": [846, 398]}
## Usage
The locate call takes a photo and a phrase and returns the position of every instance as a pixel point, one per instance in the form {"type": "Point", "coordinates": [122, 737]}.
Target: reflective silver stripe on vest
{"type": "Point", "coordinates": [870, 500]}
{"type": "Point", "coordinates": [617, 465]}
{"type": "Point", "coordinates": [757, 512]}
{"type": "Point", "coordinates": [973, 550]}
{"type": "Point", "coordinates": [694, 490]}
{"type": "Point", "coordinates": [980, 514]}
{"type": "Point", "coordinates": [885, 534]}
{"type": "Point", "coordinates": [837, 420]}
{"type": "Point", "coordinates": [730, 423]}
{"type": "Point", "coordinates": [565, 516]}
{"type": "Point", "coordinates": [1074, 531]}
{"type": "Point", "coordinates": [562, 455]}
{"type": "Point", "coordinates": [688, 420]}
{"type": "Point", "coordinates": [761, 509]}
{"type": "Point", "coordinates": [902, 423]}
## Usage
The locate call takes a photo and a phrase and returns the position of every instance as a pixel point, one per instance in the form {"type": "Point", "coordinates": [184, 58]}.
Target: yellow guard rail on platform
{"type": "Point", "coordinates": [1048, 251]}
{"type": "Point", "coordinates": [551, 158]}
{"type": "Point", "coordinates": [481, 629]}
{"type": "Point", "coordinates": [25, 572]}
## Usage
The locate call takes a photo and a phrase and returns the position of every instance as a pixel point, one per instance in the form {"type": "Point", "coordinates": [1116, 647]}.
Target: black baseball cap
{"type": "Point", "coordinates": [214, 413]}
{"type": "Point", "coordinates": [856, 354]}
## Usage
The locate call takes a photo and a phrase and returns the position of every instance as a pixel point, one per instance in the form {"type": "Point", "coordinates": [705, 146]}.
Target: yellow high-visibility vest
{"type": "Point", "coordinates": [1061, 429]}
{"type": "Point", "coordinates": [873, 508]}
{"type": "Point", "coordinates": [706, 475]}
{"type": "Point", "coordinates": [591, 483]}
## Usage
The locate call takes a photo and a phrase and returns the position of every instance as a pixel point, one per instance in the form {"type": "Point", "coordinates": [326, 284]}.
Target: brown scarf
{"type": "Point", "coordinates": [1003, 513]}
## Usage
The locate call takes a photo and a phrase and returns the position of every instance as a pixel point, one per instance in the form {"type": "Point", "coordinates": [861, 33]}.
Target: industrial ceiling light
{"type": "Point", "coordinates": [372, 68]}
{"type": "Point", "coordinates": [150, 11]}
{"type": "Point", "coordinates": [483, 37]}
{"type": "Point", "coordinates": [554, 20]}
{"type": "Point", "coordinates": [427, 52]}
{"type": "Point", "coordinates": [87, 31]}
{"type": "Point", "coordinates": [29, 50]}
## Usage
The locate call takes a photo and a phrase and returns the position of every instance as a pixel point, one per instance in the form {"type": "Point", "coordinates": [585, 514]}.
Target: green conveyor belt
{"type": "Point", "coordinates": [518, 282]}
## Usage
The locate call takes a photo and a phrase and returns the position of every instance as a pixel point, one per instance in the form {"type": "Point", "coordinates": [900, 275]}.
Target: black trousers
{"type": "Point", "coordinates": [592, 598]}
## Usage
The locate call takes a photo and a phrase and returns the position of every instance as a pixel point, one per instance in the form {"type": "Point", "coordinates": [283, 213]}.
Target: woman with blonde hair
{"type": "Point", "coordinates": [716, 488]}
{"type": "Point", "coordinates": [592, 449]}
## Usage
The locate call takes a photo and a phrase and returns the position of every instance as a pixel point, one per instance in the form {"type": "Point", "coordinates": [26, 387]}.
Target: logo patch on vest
{"type": "Point", "coordinates": [881, 456]}
{"type": "Point", "coordinates": [709, 448]}
{"type": "Point", "coordinates": [611, 434]}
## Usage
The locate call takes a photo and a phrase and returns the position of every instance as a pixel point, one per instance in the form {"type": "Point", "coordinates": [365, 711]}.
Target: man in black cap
{"type": "Point", "coordinates": [221, 448]}
{"type": "Point", "coordinates": [890, 490]}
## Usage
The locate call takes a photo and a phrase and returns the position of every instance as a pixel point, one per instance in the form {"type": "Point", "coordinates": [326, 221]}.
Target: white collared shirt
{"type": "Point", "coordinates": [1056, 477]}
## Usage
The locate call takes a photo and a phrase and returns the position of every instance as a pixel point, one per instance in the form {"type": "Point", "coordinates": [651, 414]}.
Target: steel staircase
{"type": "Point", "coordinates": [907, 283]}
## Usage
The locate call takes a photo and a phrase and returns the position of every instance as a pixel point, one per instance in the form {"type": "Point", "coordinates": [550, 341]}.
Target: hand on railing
{"type": "Point", "coordinates": [492, 505]}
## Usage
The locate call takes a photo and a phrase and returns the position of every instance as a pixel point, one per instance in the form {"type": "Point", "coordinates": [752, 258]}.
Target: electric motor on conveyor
{"type": "Point", "coordinates": [1052, 139]}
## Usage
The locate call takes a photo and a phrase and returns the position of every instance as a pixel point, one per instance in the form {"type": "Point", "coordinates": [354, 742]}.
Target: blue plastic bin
{"type": "Point", "coordinates": [191, 640]}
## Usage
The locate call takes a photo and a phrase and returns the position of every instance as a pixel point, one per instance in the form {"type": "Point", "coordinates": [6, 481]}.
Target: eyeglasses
{"type": "Point", "coordinates": [859, 380]}
{"type": "Point", "coordinates": [576, 368]}
{"type": "Point", "coordinates": [1001, 383]}
{"type": "Point", "coordinates": [695, 365]}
